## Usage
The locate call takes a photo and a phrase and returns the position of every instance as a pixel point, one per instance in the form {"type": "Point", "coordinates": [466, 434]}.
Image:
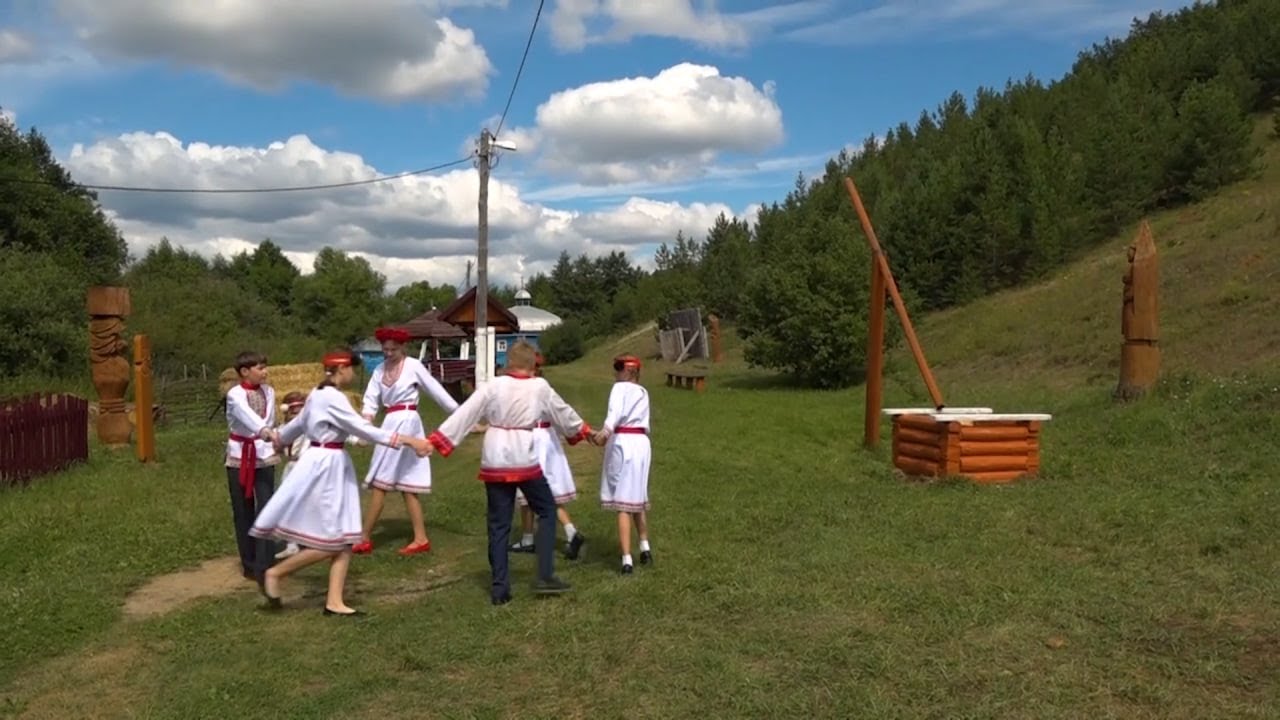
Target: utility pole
{"type": "Point", "coordinates": [482, 263]}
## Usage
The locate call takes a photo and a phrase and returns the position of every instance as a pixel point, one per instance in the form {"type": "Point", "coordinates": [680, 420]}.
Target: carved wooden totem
{"type": "Point", "coordinates": [1140, 319]}
{"type": "Point", "coordinates": [108, 361]}
{"type": "Point", "coordinates": [716, 354]}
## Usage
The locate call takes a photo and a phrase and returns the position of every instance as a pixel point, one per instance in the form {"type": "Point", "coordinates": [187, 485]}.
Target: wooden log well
{"type": "Point", "coordinates": [975, 443]}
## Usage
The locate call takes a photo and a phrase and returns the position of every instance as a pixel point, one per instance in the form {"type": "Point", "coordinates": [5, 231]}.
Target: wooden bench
{"type": "Point", "coordinates": [688, 379]}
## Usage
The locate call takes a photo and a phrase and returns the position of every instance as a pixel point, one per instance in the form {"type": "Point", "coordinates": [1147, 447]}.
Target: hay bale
{"type": "Point", "coordinates": [300, 377]}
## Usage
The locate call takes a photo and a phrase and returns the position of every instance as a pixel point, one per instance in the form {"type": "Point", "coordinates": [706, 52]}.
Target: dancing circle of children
{"type": "Point", "coordinates": [555, 467]}
{"type": "Point", "coordinates": [319, 506]}
{"type": "Point", "coordinates": [624, 476]}
{"type": "Point", "coordinates": [250, 457]}
{"type": "Point", "coordinates": [512, 404]}
{"type": "Point", "coordinates": [394, 387]}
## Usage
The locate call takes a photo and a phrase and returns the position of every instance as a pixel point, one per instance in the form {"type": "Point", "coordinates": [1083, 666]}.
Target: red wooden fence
{"type": "Point", "coordinates": [41, 434]}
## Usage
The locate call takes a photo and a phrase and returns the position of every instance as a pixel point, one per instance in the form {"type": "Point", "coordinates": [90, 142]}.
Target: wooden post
{"type": "Point", "coordinates": [1140, 319]}
{"type": "Point", "coordinates": [108, 307]}
{"type": "Point", "coordinates": [875, 358]}
{"type": "Point", "coordinates": [144, 421]}
{"type": "Point", "coordinates": [877, 256]}
{"type": "Point", "coordinates": [716, 354]}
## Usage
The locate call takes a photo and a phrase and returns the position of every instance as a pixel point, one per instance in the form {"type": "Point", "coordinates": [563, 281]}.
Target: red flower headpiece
{"type": "Point", "coordinates": [399, 335]}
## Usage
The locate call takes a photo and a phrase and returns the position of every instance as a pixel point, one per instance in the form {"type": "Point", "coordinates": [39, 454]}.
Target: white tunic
{"type": "Point", "coordinates": [554, 464]}
{"type": "Point", "coordinates": [511, 404]}
{"type": "Point", "coordinates": [402, 470]}
{"type": "Point", "coordinates": [243, 422]}
{"type": "Point", "coordinates": [319, 506]}
{"type": "Point", "coordinates": [624, 477]}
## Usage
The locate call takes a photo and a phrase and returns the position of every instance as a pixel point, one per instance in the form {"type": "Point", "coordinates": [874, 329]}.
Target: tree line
{"type": "Point", "coordinates": [973, 197]}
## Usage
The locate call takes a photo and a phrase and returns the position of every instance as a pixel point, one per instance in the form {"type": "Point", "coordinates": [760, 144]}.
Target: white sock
{"type": "Point", "coordinates": [626, 559]}
{"type": "Point", "coordinates": [527, 539]}
{"type": "Point", "coordinates": [644, 546]}
{"type": "Point", "coordinates": [570, 531]}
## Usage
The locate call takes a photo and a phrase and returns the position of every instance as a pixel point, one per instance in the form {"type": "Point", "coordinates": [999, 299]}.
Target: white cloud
{"type": "Point", "coordinates": [16, 47]}
{"type": "Point", "coordinates": [8, 116]}
{"type": "Point", "coordinates": [386, 49]}
{"type": "Point", "coordinates": [575, 24]}
{"type": "Point", "coordinates": [412, 228]}
{"type": "Point", "coordinates": [664, 128]}
{"type": "Point", "coordinates": [895, 20]}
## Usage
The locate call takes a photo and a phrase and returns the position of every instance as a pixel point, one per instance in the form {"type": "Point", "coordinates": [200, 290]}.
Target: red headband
{"type": "Point", "coordinates": [630, 361]}
{"type": "Point", "coordinates": [337, 359]}
{"type": "Point", "coordinates": [399, 335]}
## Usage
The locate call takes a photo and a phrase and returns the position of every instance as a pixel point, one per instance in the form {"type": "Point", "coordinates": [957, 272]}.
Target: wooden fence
{"type": "Point", "coordinates": [40, 434]}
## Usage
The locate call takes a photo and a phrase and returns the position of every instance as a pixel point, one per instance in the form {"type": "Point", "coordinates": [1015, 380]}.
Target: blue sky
{"type": "Point", "coordinates": [634, 119]}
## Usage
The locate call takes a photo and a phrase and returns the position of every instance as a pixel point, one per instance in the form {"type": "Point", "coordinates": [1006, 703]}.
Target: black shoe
{"type": "Point", "coordinates": [626, 569]}
{"type": "Point", "coordinates": [501, 599]}
{"type": "Point", "coordinates": [551, 586]}
{"type": "Point", "coordinates": [353, 613]}
{"type": "Point", "coordinates": [273, 601]}
{"type": "Point", "coordinates": [575, 546]}
{"type": "Point", "coordinates": [646, 558]}
{"type": "Point", "coordinates": [520, 547]}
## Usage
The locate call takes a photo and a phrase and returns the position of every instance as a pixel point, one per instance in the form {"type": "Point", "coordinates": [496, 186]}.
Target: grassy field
{"type": "Point", "coordinates": [796, 576]}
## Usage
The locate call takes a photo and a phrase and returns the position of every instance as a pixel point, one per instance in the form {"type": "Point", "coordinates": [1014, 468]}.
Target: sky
{"type": "Point", "coordinates": [632, 119]}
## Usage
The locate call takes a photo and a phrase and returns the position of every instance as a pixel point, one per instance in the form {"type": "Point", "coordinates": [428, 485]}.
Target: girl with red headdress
{"type": "Point", "coordinates": [395, 387]}
{"type": "Point", "coordinates": [319, 508]}
{"type": "Point", "coordinates": [624, 478]}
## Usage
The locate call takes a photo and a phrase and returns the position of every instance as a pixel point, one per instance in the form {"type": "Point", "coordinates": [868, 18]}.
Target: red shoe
{"type": "Point", "coordinates": [362, 548]}
{"type": "Point", "coordinates": [412, 549]}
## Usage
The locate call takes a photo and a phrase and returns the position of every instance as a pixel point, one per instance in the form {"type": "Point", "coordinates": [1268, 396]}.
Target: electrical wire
{"type": "Point", "coordinates": [515, 83]}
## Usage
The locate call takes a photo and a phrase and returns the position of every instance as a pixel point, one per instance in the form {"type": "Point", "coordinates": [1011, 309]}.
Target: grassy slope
{"type": "Point", "coordinates": [796, 576]}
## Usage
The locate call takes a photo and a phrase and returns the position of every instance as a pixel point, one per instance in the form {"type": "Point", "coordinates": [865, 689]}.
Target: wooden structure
{"type": "Point", "coordinates": [41, 434]}
{"type": "Point", "coordinates": [1140, 319]}
{"type": "Point", "coordinates": [976, 443]}
{"type": "Point", "coordinates": [972, 442]}
{"type": "Point", "coordinates": [461, 313]}
{"type": "Point", "coordinates": [688, 379]}
{"type": "Point", "coordinates": [144, 422]}
{"type": "Point", "coordinates": [686, 339]}
{"type": "Point", "coordinates": [108, 307]}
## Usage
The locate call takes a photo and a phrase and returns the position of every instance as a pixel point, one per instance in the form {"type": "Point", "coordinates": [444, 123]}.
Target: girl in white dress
{"type": "Point", "coordinates": [319, 508]}
{"type": "Point", "coordinates": [555, 466]}
{"type": "Point", "coordinates": [394, 387]}
{"type": "Point", "coordinates": [624, 478]}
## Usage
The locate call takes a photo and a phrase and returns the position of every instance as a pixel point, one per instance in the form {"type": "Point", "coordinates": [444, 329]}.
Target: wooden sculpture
{"type": "Point", "coordinates": [716, 353]}
{"type": "Point", "coordinates": [108, 307]}
{"type": "Point", "coordinates": [1139, 319]}
{"type": "Point", "coordinates": [144, 421]}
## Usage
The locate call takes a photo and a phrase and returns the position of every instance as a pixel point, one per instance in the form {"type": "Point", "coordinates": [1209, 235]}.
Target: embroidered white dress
{"type": "Point", "coordinates": [397, 392]}
{"type": "Point", "coordinates": [624, 477]}
{"type": "Point", "coordinates": [319, 504]}
{"type": "Point", "coordinates": [554, 464]}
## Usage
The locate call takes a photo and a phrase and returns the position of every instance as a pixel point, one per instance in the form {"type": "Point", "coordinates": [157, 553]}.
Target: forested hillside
{"type": "Point", "coordinates": [976, 195]}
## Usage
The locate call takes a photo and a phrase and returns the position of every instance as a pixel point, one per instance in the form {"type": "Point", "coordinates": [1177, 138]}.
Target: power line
{"type": "Point", "coordinates": [223, 191]}
{"type": "Point", "coordinates": [516, 82]}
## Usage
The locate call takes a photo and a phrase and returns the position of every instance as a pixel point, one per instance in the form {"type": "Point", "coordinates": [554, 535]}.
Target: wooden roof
{"type": "Point", "coordinates": [429, 326]}
{"type": "Point", "coordinates": [462, 312]}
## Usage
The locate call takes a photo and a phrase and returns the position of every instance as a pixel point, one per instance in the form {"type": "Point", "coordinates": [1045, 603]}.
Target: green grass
{"type": "Point", "coordinates": [796, 575]}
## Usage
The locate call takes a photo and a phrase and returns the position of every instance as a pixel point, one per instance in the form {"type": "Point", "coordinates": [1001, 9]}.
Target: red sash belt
{"type": "Point", "coordinates": [509, 427]}
{"type": "Point", "coordinates": [544, 424]}
{"type": "Point", "coordinates": [325, 445]}
{"type": "Point", "coordinates": [395, 408]}
{"type": "Point", "coordinates": [248, 462]}
{"type": "Point", "coordinates": [631, 430]}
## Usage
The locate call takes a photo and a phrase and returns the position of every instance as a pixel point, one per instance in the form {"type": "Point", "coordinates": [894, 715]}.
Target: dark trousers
{"type": "Point", "coordinates": [502, 503]}
{"type": "Point", "coordinates": [256, 555]}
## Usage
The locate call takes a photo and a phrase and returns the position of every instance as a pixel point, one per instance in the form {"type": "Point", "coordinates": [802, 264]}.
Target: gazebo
{"type": "Point", "coordinates": [430, 326]}
{"type": "Point", "coordinates": [462, 313]}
